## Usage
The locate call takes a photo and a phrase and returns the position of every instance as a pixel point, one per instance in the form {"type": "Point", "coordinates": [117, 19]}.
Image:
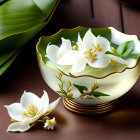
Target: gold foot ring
{"type": "Point", "coordinates": [88, 109]}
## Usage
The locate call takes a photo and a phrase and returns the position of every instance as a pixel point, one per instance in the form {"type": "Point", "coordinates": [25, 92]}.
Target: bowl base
{"type": "Point", "coordinates": [88, 109]}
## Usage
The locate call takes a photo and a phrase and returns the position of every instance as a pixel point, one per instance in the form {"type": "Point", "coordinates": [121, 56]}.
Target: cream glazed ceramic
{"type": "Point", "coordinates": [108, 86]}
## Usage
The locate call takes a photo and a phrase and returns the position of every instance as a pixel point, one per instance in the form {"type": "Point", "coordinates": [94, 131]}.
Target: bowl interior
{"type": "Point", "coordinates": [72, 34]}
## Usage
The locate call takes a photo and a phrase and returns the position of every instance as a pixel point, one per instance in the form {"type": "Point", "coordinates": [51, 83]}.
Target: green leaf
{"type": "Point", "coordinates": [80, 88]}
{"type": "Point", "coordinates": [98, 94]}
{"type": "Point", "coordinates": [20, 20]}
{"type": "Point", "coordinates": [128, 49]}
{"type": "Point", "coordinates": [6, 55]}
{"type": "Point", "coordinates": [109, 53]}
{"type": "Point", "coordinates": [71, 74]}
{"type": "Point", "coordinates": [62, 90]}
{"type": "Point", "coordinates": [133, 56]}
{"type": "Point", "coordinates": [2, 2]}
{"type": "Point", "coordinates": [125, 49]}
{"type": "Point", "coordinates": [114, 45]}
{"type": "Point", "coordinates": [121, 49]}
{"type": "Point", "coordinates": [4, 67]}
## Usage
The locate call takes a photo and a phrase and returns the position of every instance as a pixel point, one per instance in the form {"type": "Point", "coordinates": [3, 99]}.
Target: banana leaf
{"type": "Point", "coordinates": [20, 20]}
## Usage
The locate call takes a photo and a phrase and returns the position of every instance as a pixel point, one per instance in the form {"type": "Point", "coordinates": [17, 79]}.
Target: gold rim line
{"type": "Point", "coordinates": [89, 109]}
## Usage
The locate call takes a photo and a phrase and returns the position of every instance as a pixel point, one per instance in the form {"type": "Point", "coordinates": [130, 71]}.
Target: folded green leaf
{"type": "Point", "coordinates": [20, 20]}
{"type": "Point", "coordinates": [8, 63]}
{"type": "Point", "coordinates": [125, 49]}
{"type": "Point", "coordinates": [6, 55]}
{"type": "Point", "coordinates": [2, 1]}
{"type": "Point", "coordinates": [98, 94]}
{"type": "Point", "coordinates": [81, 88]}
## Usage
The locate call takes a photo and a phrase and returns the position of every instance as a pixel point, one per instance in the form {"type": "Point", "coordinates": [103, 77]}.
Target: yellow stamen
{"type": "Point", "coordinates": [114, 51]}
{"type": "Point", "coordinates": [97, 48]}
{"type": "Point", "coordinates": [31, 111]}
{"type": "Point", "coordinates": [91, 55]}
{"type": "Point", "coordinates": [50, 122]}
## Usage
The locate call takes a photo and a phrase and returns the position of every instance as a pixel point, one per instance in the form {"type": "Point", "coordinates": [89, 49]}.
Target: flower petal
{"type": "Point", "coordinates": [80, 43]}
{"type": "Point", "coordinates": [14, 111]}
{"type": "Point", "coordinates": [65, 47]}
{"type": "Point", "coordinates": [89, 39]}
{"type": "Point", "coordinates": [18, 126]}
{"type": "Point", "coordinates": [117, 59]}
{"type": "Point", "coordinates": [104, 43]}
{"type": "Point", "coordinates": [53, 105]}
{"type": "Point", "coordinates": [29, 98]}
{"type": "Point", "coordinates": [101, 62]}
{"type": "Point", "coordinates": [131, 62]}
{"type": "Point", "coordinates": [45, 101]}
{"type": "Point", "coordinates": [51, 52]}
{"type": "Point", "coordinates": [137, 46]}
{"type": "Point", "coordinates": [79, 65]}
{"type": "Point", "coordinates": [33, 119]}
{"type": "Point", "coordinates": [69, 58]}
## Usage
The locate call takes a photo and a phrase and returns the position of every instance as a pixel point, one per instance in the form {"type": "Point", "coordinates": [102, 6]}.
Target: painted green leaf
{"type": "Point", "coordinates": [125, 49]}
{"type": "Point", "coordinates": [98, 94]}
{"type": "Point", "coordinates": [20, 20]}
{"type": "Point", "coordinates": [71, 74]}
{"type": "Point", "coordinates": [81, 88]}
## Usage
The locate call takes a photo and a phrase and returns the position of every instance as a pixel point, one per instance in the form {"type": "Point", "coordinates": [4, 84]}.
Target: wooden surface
{"type": "Point", "coordinates": [123, 123]}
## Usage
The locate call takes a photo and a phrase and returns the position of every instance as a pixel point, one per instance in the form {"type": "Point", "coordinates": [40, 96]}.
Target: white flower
{"type": "Point", "coordinates": [91, 50]}
{"type": "Point", "coordinates": [29, 110]}
{"type": "Point", "coordinates": [49, 124]}
{"type": "Point", "coordinates": [54, 53]}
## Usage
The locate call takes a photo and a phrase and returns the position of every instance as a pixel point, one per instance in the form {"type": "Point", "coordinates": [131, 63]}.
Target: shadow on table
{"type": "Point", "coordinates": [126, 116]}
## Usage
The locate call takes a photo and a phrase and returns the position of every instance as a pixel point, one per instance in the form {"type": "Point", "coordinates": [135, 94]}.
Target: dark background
{"type": "Point", "coordinates": [123, 123]}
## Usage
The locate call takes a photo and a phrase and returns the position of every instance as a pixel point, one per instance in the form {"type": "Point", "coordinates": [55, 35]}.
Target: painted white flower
{"type": "Point", "coordinates": [91, 51]}
{"type": "Point", "coordinates": [49, 124]}
{"type": "Point", "coordinates": [54, 53]}
{"type": "Point", "coordinates": [29, 110]}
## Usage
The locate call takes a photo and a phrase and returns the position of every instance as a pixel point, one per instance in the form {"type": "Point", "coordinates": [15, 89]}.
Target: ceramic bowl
{"type": "Point", "coordinates": [110, 83]}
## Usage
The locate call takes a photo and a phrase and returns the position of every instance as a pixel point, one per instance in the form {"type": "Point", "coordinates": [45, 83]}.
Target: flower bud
{"type": "Point", "coordinates": [85, 92]}
{"type": "Point", "coordinates": [75, 47]}
{"type": "Point", "coordinates": [87, 97]}
{"type": "Point", "coordinates": [69, 95]}
{"type": "Point", "coordinates": [69, 89]}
